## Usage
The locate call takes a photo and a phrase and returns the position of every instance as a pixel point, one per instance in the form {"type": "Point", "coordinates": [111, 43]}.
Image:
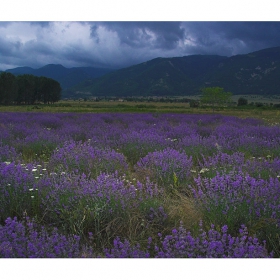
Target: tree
{"type": "Point", "coordinates": [8, 88]}
{"type": "Point", "coordinates": [242, 101]}
{"type": "Point", "coordinates": [27, 89]}
{"type": "Point", "coordinates": [49, 90]}
{"type": "Point", "coordinates": [215, 96]}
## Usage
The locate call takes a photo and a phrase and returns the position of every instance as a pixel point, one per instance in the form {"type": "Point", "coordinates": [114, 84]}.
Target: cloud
{"type": "Point", "coordinates": [158, 35]}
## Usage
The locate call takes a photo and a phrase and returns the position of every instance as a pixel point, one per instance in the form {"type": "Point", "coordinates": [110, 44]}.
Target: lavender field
{"type": "Point", "coordinates": [115, 185]}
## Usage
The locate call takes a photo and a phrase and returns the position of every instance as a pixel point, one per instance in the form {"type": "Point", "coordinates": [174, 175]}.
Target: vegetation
{"type": "Point", "coordinates": [28, 89]}
{"type": "Point", "coordinates": [242, 101]}
{"type": "Point", "coordinates": [215, 97]}
{"type": "Point", "coordinates": [109, 185]}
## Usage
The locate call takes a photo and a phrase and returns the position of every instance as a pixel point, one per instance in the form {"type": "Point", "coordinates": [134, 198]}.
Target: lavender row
{"type": "Point", "coordinates": [28, 240]}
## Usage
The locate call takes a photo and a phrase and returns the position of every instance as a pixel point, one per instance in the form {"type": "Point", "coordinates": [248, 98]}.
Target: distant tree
{"type": "Point", "coordinates": [242, 101]}
{"type": "Point", "coordinates": [194, 103]}
{"type": "Point", "coordinates": [259, 104]}
{"type": "Point", "coordinates": [215, 96]}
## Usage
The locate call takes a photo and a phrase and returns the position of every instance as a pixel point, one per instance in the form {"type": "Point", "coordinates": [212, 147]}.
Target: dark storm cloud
{"type": "Point", "coordinates": [230, 38]}
{"type": "Point", "coordinates": [159, 35]}
{"type": "Point", "coordinates": [10, 49]}
{"type": "Point", "coordinates": [121, 44]}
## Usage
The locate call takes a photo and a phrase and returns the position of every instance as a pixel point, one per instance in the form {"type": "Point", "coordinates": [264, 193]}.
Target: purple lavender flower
{"type": "Point", "coordinates": [28, 240]}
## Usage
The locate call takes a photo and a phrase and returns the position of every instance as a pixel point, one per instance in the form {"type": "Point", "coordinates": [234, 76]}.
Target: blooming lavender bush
{"type": "Point", "coordinates": [17, 194]}
{"type": "Point", "coordinates": [167, 167]}
{"type": "Point", "coordinates": [27, 240]}
{"type": "Point", "coordinates": [237, 199]}
{"type": "Point", "coordinates": [83, 158]}
{"type": "Point", "coordinates": [8, 154]}
{"type": "Point", "coordinates": [211, 244]}
{"type": "Point", "coordinates": [264, 167]}
{"type": "Point", "coordinates": [80, 205]}
{"type": "Point", "coordinates": [182, 244]}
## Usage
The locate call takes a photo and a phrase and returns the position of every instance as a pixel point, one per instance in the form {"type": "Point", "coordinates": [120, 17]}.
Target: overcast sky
{"type": "Point", "coordinates": [117, 44]}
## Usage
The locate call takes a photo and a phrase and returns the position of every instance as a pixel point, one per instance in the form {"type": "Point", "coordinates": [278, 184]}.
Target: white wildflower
{"type": "Point", "coordinates": [32, 196]}
{"type": "Point", "coordinates": [34, 169]}
{"type": "Point", "coordinates": [219, 148]}
{"type": "Point", "coordinates": [203, 170]}
{"type": "Point", "coordinates": [7, 162]}
{"type": "Point", "coordinates": [30, 190]}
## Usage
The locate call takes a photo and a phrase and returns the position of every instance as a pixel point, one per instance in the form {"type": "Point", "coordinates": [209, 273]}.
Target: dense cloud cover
{"type": "Point", "coordinates": [120, 44]}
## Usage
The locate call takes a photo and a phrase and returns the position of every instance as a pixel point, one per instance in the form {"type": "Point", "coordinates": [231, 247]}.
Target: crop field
{"type": "Point", "coordinates": [138, 185]}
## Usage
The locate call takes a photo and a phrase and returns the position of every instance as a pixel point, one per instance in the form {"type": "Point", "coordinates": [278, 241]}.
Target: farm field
{"type": "Point", "coordinates": [139, 185]}
{"type": "Point", "coordinates": [270, 115]}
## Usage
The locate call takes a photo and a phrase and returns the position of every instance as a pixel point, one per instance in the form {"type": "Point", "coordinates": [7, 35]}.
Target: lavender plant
{"type": "Point", "coordinates": [17, 191]}
{"type": "Point", "coordinates": [83, 158]}
{"type": "Point", "coordinates": [182, 244]}
{"type": "Point", "coordinates": [167, 168]}
{"type": "Point", "coordinates": [79, 204]}
{"type": "Point", "coordinates": [28, 240]}
{"type": "Point", "coordinates": [236, 199]}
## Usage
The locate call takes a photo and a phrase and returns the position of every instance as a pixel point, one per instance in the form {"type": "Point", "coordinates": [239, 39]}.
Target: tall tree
{"type": "Point", "coordinates": [49, 90]}
{"type": "Point", "coordinates": [27, 89]}
{"type": "Point", "coordinates": [215, 96]}
{"type": "Point", "coordinates": [8, 88]}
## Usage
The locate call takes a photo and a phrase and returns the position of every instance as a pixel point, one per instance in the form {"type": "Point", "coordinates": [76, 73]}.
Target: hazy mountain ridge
{"type": "Point", "coordinates": [253, 73]}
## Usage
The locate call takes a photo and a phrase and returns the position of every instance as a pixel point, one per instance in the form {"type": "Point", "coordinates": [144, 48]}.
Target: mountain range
{"type": "Point", "coordinates": [253, 73]}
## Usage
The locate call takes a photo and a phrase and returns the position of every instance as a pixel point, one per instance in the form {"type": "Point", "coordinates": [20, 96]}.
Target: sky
{"type": "Point", "coordinates": [111, 38]}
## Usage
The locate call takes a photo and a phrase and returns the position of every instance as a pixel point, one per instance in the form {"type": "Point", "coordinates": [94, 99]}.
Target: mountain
{"type": "Point", "coordinates": [67, 77]}
{"type": "Point", "coordinates": [254, 73]}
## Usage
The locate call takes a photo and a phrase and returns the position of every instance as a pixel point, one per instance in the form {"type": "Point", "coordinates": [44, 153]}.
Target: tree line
{"type": "Point", "coordinates": [28, 89]}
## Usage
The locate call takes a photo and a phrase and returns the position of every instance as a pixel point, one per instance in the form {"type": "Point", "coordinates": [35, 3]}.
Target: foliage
{"type": "Point", "coordinates": [181, 244]}
{"type": "Point", "coordinates": [67, 171]}
{"type": "Point", "coordinates": [215, 96]}
{"type": "Point", "coordinates": [28, 89]}
{"type": "Point", "coordinates": [242, 101]}
{"type": "Point", "coordinates": [27, 240]}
